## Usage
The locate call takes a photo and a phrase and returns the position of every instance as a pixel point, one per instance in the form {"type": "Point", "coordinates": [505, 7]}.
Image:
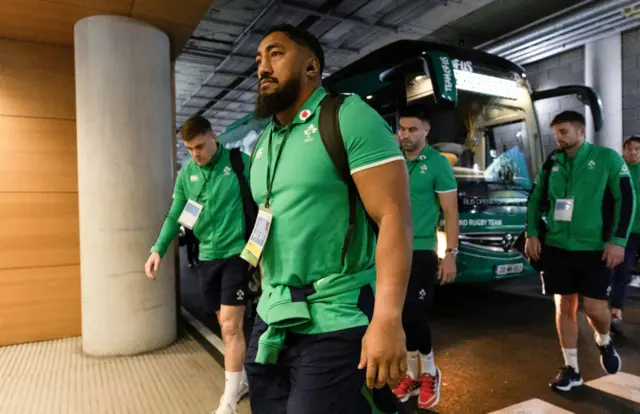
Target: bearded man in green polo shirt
{"type": "Point", "coordinates": [318, 336]}
{"type": "Point", "coordinates": [207, 198]}
{"type": "Point", "coordinates": [433, 187]}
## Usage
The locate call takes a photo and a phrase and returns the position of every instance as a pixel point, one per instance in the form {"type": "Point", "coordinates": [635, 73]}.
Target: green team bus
{"type": "Point", "coordinates": [482, 119]}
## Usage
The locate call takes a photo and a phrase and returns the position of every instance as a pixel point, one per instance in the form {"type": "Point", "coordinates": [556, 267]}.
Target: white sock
{"type": "Point", "coordinates": [602, 340]}
{"type": "Point", "coordinates": [412, 364]}
{"type": "Point", "coordinates": [231, 388]}
{"type": "Point", "coordinates": [428, 364]}
{"type": "Point", "coordinates": [245, 380]}
{"type": "Point", "coordinates": [571, 358]}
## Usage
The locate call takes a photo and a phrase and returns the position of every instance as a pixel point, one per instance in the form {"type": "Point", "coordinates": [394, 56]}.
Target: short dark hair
{"type": "Point", "coordinates": [195, 126]}
{"type": "Point", "coordinates": [414, 111]}
{"type": "Point", "coordinates": [572, 117]}
{"type": "Point", "coordinates": [629, 140]}
{"type": "Point", "coordinates": [302, 37]}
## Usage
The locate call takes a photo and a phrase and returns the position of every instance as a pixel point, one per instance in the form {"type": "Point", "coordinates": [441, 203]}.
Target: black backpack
{"type": "Point", "coordinates": [329, 126]}
{"type": "Point", "coordinates": [249, 206]}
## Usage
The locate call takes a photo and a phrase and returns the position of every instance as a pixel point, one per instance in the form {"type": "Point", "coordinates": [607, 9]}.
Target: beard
{"type": "Point", "coordinates": [270, 104]}
{"type": "Point", "coordinates": [408, 146]}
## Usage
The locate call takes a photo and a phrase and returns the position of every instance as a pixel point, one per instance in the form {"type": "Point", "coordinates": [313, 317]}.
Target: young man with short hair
{"type": "Point", "coordinates": [207, 198]}
{"type": "Point", "coordinates": [589, 205]}
{"type": "Point", "coordinates": [622, 273]}
{"type": "Point", "coordinates": [318, 339]}
{"type": "Point", "coordinates": [433, 186]}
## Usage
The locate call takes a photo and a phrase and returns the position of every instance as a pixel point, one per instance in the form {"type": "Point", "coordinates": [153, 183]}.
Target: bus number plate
{"type": "Point", "coordinates": [509, 269]}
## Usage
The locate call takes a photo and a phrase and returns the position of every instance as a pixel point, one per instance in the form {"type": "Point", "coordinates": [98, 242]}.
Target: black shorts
{"type": "Point", "coordinates": [315, 374]}
{"type": "Point", "coordinates": [224, 281]}
{"type": "Point", "coordinates": [424, 269]}
{"type": "Point", "coordinates": [568, 272]}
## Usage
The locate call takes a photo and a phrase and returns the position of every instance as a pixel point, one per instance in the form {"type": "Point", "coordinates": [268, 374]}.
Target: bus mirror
{"type": "Point", "coordinates": [585, 94]}
{"type": "Point", "coordinates": [436, 66]}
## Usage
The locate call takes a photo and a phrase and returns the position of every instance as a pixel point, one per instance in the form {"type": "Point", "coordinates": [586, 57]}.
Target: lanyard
{"type": "Point", "coordinates": [270, 178]}
{"type": "Point", "coordinates": [413, 167]}
{"type": "Point", "coordinates": [206, 177]}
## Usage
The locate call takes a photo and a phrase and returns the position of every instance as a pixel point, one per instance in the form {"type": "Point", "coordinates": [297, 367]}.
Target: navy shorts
{"type": "Point", "coordinates": [224, 281]}
{"type": "Point", "coordinates": [315, 374]}
{"type": "Point", "coordinates": [568, 272]}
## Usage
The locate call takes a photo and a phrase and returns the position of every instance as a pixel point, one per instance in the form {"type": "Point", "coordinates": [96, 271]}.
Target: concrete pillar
{"type": "Point", "coordinates": [603, 72]}
{"type": "Point", "coordinates": [125, 154]}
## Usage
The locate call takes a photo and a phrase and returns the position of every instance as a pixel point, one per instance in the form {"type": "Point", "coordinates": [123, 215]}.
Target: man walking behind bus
{"type": "Point", "coordinates": [591, 206]}
{"type": "Point", "coordinates": [433, 186]}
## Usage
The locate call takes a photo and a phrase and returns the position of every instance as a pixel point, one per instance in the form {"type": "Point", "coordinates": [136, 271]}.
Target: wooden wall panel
{"type": "Point", "coordinates": [39, 155]}
{"type": "Point", "coordinates": [39, 304]}
{"type": "Point", "coordinates": [51, 21]}
{"type": "Point", "coordinates": [38, 229]}
{"type": "Point", "coordinates": [36, 80]}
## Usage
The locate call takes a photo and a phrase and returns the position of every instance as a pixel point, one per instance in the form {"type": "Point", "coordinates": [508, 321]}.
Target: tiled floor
{"type": "Point", "coordinates": [54, 377]}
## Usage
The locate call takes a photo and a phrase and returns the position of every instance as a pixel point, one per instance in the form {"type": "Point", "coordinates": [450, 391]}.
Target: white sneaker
{"type": "Point", "coordinates": [224, 408]}
{"type": "Point", "coordinates": [244, 390]}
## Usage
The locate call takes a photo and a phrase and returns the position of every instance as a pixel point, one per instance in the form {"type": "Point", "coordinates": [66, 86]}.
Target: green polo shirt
{"type": "Point", "coordinates": [634, 170]}
{"type": "Point", "coordinates": [220, 226]}
{"type": "Point", "coordinates": [310, 207]}
{"type": "Point", "coordinates": [430, 173]}
{"type": "Point", "coordinates": [585, 179]}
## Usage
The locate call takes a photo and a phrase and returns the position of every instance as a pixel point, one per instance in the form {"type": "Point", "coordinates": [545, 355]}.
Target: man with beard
{"type": "Point", "coordinates": [319, 344]}
{"type": "Point", "coordinates": [433, 186]}
{"type": "Point", "coordinates": [589, 205]}
{"type": "Point", "coordinates": [207, 198]}
{"type": "Point", "coordinates": [622, 273]}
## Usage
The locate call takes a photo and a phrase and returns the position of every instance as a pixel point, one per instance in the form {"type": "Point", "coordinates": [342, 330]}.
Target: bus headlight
{"type": "Point", "coordinates": [442, 244]}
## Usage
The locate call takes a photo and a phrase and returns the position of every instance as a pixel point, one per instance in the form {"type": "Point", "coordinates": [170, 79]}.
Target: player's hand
{"type": "Point", "coordinates": [533, 248]}
{"type": "Point", "coordinates": [447, 270]}
{"type": "Point", "coordinates": [613, 255]}
{"type": "Point", "coordinates": [152, 265]}
{"type": "Point", "coordinates": [384, 353]}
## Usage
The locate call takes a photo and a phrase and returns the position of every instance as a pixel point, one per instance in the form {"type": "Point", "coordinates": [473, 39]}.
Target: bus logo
{"type": "Point", "coordinates": [446, 69]}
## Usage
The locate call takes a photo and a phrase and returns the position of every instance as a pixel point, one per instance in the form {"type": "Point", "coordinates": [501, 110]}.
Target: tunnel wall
{"type": "Point", "coordinates": [569, 67]}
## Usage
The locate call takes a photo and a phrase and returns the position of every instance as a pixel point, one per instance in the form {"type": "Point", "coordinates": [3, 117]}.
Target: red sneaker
{"type": "Point", "coordinates": [407, 388]}
{"type": "Point", "coordinates": [429, 390]}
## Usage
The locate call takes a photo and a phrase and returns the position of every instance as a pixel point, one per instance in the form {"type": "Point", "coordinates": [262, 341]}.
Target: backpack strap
{"type": "Point", "coordinates": [248, 205]}
{"type": "Point", "coordinates": [329, 126]}
{"type": "Point", "coordinates": [545, 205]}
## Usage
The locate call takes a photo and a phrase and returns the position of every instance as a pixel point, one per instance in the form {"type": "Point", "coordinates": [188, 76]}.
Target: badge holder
{"type": "Point", "coordinates": [563, 210]}
{"type": "Point", "coordinates": [190, 214]}
{"type": "Point", "coordinates": [252, 252]}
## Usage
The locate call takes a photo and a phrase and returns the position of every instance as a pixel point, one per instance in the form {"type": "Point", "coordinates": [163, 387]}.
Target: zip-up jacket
{"type": "Point", "coordinates": [220, 226]}
{"type": "Point", "coordinates": [598, 181]}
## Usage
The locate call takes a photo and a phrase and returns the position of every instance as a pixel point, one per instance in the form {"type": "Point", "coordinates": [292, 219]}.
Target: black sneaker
{"type": "Point", "coordinates": [566, 379]}
{"type": "Point", "coordinates": [609, 359]}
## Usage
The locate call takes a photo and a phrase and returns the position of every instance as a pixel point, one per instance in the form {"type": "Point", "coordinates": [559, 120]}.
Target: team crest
{"type": "Point", "coordinates": [305, 114]}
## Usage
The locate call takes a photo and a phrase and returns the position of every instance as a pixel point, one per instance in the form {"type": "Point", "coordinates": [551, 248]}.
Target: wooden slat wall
{"type": "Point", "coordinates": [39, 244]}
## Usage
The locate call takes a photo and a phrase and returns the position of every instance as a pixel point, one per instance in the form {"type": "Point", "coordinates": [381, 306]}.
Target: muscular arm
{"type": "Point", "coordinates": [449, 203]}
{"type": "Point", "coordinates": [384, 191]}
